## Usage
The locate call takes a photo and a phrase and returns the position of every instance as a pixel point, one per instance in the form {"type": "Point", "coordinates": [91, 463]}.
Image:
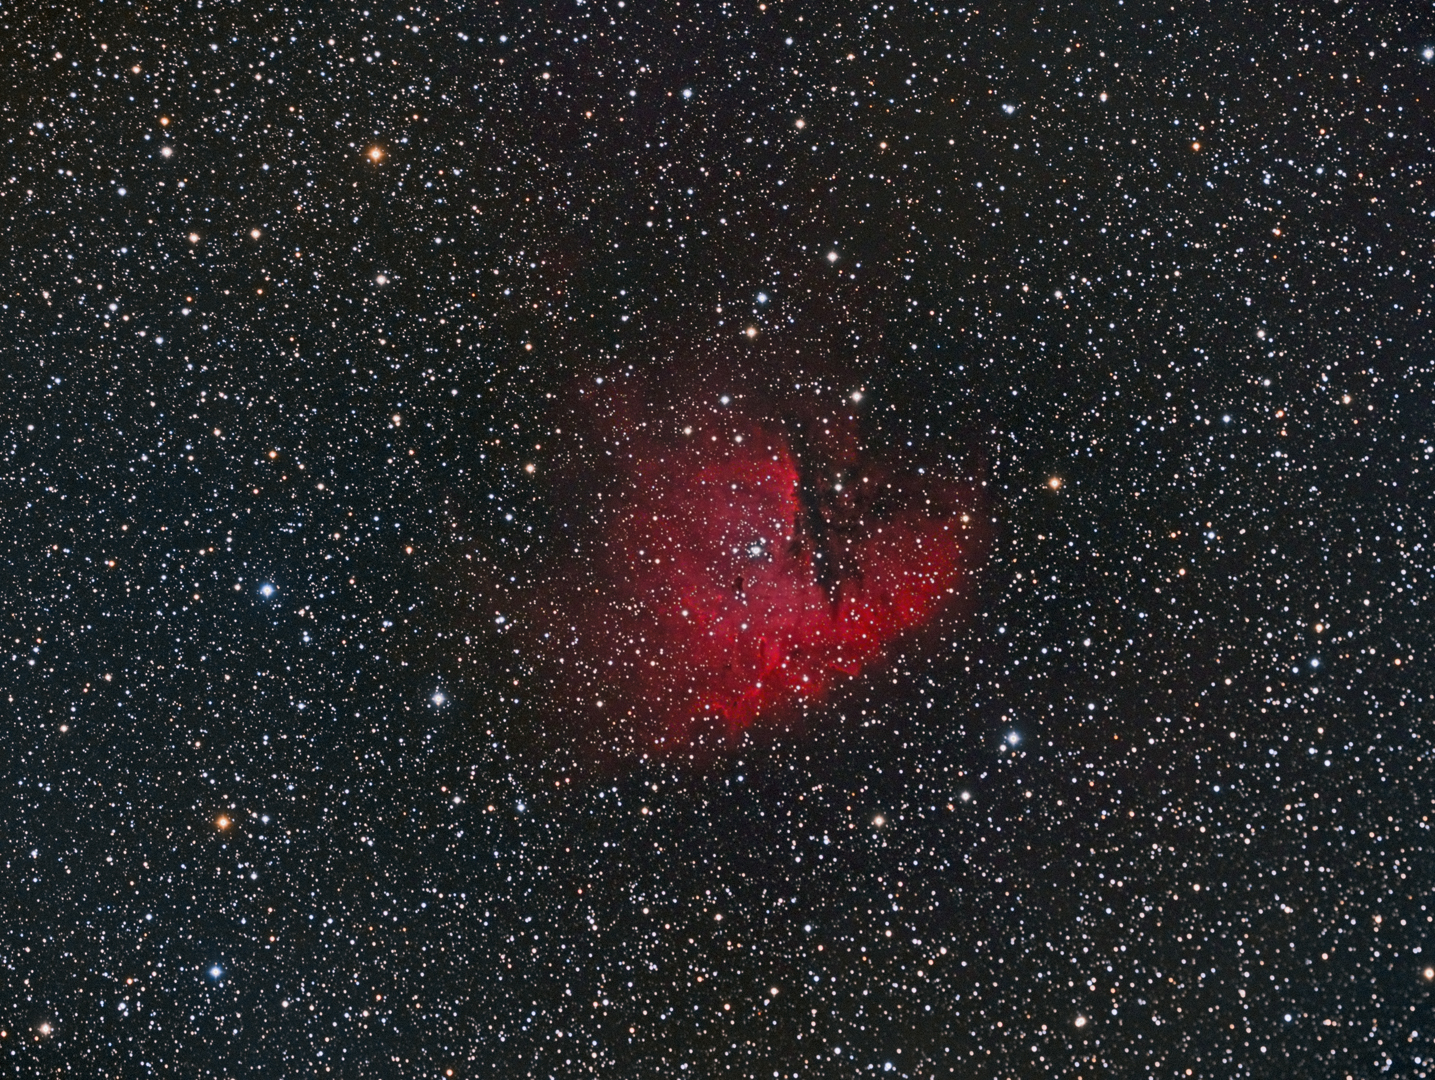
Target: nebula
{"type": "Point", "coordinates": [731, 555]}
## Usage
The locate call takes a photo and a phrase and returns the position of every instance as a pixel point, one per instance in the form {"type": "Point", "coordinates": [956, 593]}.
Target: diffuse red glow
{"type": "Point", "coordinates": [730, 565]}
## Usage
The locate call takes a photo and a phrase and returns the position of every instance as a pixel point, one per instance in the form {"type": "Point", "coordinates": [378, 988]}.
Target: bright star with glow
{"type": "Point", "coordinates": [266, 590]}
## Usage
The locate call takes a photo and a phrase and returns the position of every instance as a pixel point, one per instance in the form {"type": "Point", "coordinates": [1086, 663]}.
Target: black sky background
{"type": "Point", "coordinates": [1155, 803]}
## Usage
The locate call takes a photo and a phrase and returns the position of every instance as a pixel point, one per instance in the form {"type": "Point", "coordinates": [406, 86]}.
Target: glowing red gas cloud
{"type": "Point", "coordinates": [730, 555]}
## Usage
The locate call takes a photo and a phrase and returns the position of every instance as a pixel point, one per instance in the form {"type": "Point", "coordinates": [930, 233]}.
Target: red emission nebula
{"type": "Point", "coordinates": [729, 556]}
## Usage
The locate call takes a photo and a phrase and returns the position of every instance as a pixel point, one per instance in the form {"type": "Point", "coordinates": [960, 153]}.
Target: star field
{"type": "Point", "coordinates": [309, 315]}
